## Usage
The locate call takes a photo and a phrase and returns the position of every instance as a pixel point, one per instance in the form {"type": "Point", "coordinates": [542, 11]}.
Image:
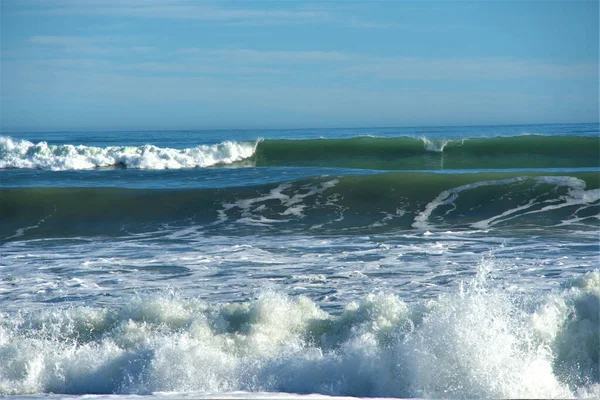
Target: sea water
{"type": "Point", "coordinates": [387, 262]}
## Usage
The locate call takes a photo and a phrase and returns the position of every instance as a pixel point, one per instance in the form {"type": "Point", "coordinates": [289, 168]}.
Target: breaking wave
{"type": "Point", "coordinates": [22, 154]}
{"type": "Point", "coordinates": [397, 153]}
{"type": "Point", "coordinates": [484, 341]}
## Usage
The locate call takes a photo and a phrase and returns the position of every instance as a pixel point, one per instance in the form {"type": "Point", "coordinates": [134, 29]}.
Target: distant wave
{"type": "Point", "coordinates": [407, 153]}
{"type": "Point", "coordinates": [398, 153]}
{"type": "Point", "coordinates": [22, 154]}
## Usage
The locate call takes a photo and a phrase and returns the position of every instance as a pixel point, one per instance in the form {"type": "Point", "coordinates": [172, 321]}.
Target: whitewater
{"type": "Point", "coordinates": [19, 154]}
{"type": "Point", "coordinates": [444, 262]}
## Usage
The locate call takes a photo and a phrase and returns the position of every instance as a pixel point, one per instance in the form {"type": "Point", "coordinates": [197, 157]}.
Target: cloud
{"type": "Point", "coordinates": [266, 56]}
{"type": "Point", "coordinates": [73, 63]}
{"type": "Point", "coordinates": [280, 13]}
{"type": "Point", "coordinates": [485, 68]}
{"type": "Point", "coordinates": [66, 40]}
{"type": "Point", "coordinates": [192, 10]}
{"type": "Point", "coordinates": [194, 61]}
{"type": "Point", "coordinates": [99, 45]}
{"type": "Point", "coordinates": [143, 49]}
{"type": "Point", "coordinates": [75, 44]}
{"type": "Point", "coordinates": [132, 69]}
{"type": "Point", "coordinates": [350, 65]}
{"type": "Point", "coordinates": [196, 69]}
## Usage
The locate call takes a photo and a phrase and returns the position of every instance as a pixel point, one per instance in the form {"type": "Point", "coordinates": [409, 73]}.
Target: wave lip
{"type": "Point", "coordinates": [23, 154]}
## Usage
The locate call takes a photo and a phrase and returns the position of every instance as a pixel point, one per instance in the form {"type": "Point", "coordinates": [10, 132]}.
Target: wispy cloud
{"type": "Point", "coordinates": [180, 10]}
{"type": "Point", "coordinates": [195, 69]}
{"type": "Point", "coordinates": [268, 56]}
{"type": "Point", "coordinates": [494, 68]}
{"type": "Point", "coordinates": [66, 40]}
{"type": "Point", "coordinates": [86, 45]}
{"type": "Point", "coordinates": [281, 13]}
{"type": "Point", "coordinates": [401, 68]}
{"type": "Point", "coordinates": [97, 45]}
{"type": "Point", "coordinates": [188, 69]}
{"type": "Point", "coordinates": [73, 63]}
{"type": "Point", "coordinates": [343, 65]}
{"type": "Point", "coordinates": [143, 49]}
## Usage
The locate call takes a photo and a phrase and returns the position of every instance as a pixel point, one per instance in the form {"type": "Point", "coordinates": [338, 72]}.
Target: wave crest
{"type": "Point", "coordinates": [23, 154]}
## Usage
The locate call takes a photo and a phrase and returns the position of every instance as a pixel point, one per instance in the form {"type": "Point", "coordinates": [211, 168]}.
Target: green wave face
{"type": "Point", "coordinates": [532, 151]}
{"type": "Point", "coordinates": [325, 205]}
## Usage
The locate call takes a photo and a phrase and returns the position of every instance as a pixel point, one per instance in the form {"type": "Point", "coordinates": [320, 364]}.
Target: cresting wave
{"type": "Point", "coordinates": [406, 153]}
{"type": "Point", "coordinates": [22, 154]}
{"type": "Point", "coordinates": [345, 204]}
{"type": "Point", "coordinates": [484, 341]}
{"type": "Point", "coordinates": [399, 153]}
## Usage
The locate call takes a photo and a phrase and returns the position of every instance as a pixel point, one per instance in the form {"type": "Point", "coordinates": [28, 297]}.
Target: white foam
{"type": "Point", "coordinates": [437, 146]}
{"type": "Point", "coordinates": [576, 195]}
{"type": "Point", "coordinates": [250, 209]}
{"type": "Point", "coordinates": [448, 197]}
{"type": "Point", "coordinates": [22, 154]}
{"type": "Point", "coordinates": [481, 341]}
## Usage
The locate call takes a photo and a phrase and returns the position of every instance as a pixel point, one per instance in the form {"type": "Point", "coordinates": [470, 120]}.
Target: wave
{"type": "Point", "coordinates": [481, 342]}
{"type": "Point", "coordinates": [398, 153]}
{"type": "Point", "coordinates": [22, 154]}
{"type": "Point", "coordinates": [332, 204]}
{"type": "Point", "coordinates": [405, 153]}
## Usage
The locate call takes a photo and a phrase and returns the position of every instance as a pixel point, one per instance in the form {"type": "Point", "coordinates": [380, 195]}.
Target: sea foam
{"type": "Point", "coordinates": [22, 154]}
{"type": "Point", "coordinates": [575, 195]}
{"type": "Point", "coordinates": [482, 341]}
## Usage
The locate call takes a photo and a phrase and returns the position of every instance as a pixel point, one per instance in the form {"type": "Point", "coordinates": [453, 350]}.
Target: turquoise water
{"type": "Point", "coordinates": [358, 262]}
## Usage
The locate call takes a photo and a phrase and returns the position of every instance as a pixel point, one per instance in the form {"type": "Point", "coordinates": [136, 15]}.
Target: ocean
{"type": "Point", "coordinates": [431, 262]}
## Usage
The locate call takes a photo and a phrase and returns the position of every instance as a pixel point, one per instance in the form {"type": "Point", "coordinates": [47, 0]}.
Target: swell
{"type": "Point", "coordinates": [344, 204]}
{"type": "Point", "coordinates": [397, 153]}
{"type": "Point", "coordinates": [405, 153]}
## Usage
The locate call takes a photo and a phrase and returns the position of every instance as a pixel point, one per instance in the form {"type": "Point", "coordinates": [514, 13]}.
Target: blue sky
{"type": "Point", "coordinates": [158, 64]}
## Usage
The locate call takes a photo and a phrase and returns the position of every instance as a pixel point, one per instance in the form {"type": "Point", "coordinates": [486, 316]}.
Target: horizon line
{"type": "Point", "coordinates": [2, 131]}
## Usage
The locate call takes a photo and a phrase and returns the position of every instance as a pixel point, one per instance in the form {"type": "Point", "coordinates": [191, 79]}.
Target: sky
{"type": "Point", "coordinates": [158, 64]}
